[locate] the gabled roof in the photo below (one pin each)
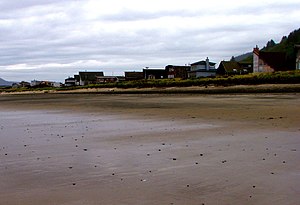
(179, 67)
(203, 63)
(230, 66)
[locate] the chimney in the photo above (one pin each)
(256, 50)
(207, 63)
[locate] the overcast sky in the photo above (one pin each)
(54, 39)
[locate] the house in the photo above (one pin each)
(22, 84)
(56, 84)
(174, 71)
(109, 79)
(247, 66)
(44, 83)
(133, 75)
(233, 68)
(87, 78)
(35, 83)
(297, 51)
(264, 61)
(154, 73)
(70, 81)
(77, 79)
(202, 69)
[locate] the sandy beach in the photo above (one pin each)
(149, 149)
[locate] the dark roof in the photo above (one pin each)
(178, 67)
(203, 63)
(276, 60)
(229, 66)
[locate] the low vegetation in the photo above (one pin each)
(288, 77)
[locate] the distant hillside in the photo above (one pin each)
(286, 45)
(5, 83)
(242, 57)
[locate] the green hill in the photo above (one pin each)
(286, 45)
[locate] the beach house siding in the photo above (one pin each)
(174, 71)
(154, 73)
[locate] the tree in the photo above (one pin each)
(271, 43)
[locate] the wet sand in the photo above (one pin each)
(149, 149)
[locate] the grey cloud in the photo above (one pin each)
(12, 5)
(41, 38)
(132, 15)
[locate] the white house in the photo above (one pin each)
(202, 69)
